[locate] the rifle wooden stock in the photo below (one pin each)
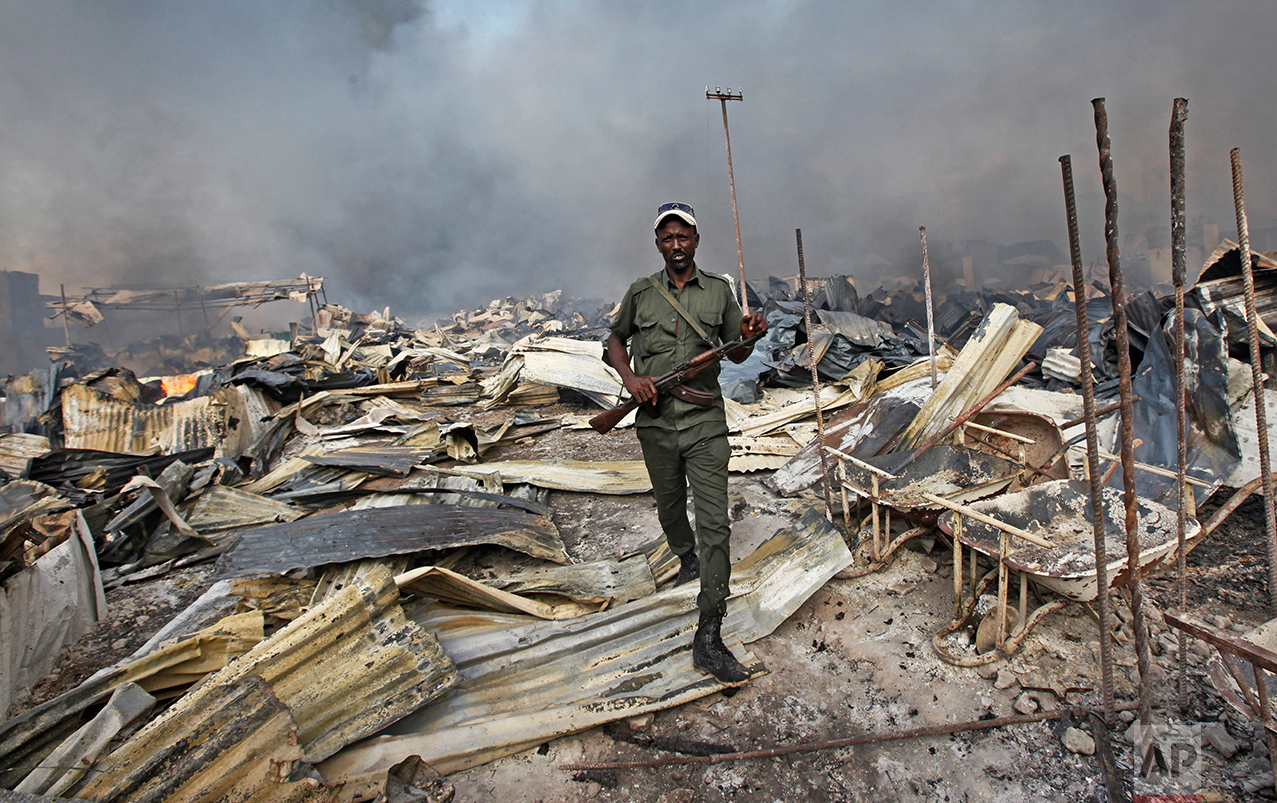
(606, 420)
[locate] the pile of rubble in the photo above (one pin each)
(342, 480)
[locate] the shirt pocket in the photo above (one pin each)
(654, 336)
(711, 320)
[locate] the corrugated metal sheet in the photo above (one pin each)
(585, 373)
(283, 471)
(351, 535)
(747, 463)
(617, 580)
(557, 362)
(526, 681)
(219, 420)
(603, 477)
(452, 395)
(856, 328)
(221, 509)
(446, 585)
(67, 765)
(1227, 291)
(17, 449)
(25, 739)
(241, 747)
(991, 354)
(831, 398)
(44, 608)
(345, 669)
(388, 461)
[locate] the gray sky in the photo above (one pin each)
(435, 156)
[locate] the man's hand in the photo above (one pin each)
(752, 324)
(641, 388)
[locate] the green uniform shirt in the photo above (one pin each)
(659, 339)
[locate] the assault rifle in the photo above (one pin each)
(672, 383)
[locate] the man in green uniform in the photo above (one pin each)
(668, 318)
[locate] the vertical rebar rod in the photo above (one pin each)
(1256, 372)
(931, 325)
(1098, 527)
(1178, 250)
(815, 379)
(1143, 658)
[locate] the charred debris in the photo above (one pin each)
(336, 473)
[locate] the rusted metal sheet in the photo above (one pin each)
(44, 608)
(860, 431)
(242, 747)
(526, 681)
(448, 586)
(602, 477)
(1060, 511)
(87, 468)
(377, 532)
(17, 449)
(389, 461)
(27, 397)
(984, 362)
(219, 420)
(1221, 286)
(221, 509)
(955, 473)
(609, 579)
(345, 669)
(558, 362)
(25, 739)
(62, 769)
(831, 398)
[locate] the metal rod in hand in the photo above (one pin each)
(1256, 372)
(815, 379)
(1178, 255)
(1143, 657)
(1092, 444)
(931, 323)
(723, 97)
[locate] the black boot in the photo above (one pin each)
(689, 568)
(710, 654)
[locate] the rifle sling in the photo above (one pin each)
(687, 316)
(691, 395)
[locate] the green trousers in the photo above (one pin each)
(697, 455)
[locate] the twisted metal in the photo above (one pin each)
(1256, 372)
(1143, 657)
(1092, 444)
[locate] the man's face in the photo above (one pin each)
(677, 243)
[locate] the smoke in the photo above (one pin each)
(436, 157)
